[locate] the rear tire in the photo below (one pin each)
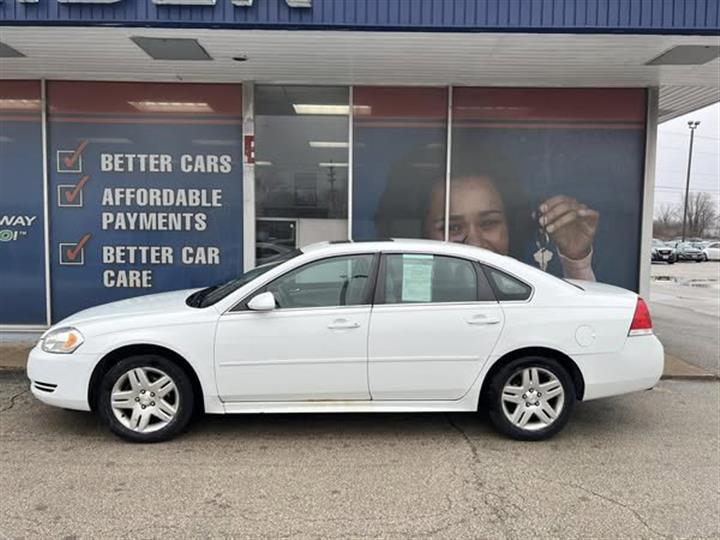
(146, 398)
(531, 398)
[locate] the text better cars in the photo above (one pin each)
(401, 326)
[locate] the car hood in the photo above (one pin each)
(168, 302)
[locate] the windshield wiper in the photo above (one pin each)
(196, 298)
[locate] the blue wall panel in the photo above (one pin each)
(626, 16)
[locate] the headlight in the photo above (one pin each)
(62, 341)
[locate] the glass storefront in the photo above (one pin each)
(553, 177)
(301, 166)
(400, 147)
(144, 181)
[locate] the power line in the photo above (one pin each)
(660, 188)
(660, 132)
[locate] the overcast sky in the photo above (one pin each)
(672, 156)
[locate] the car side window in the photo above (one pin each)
(422, 278)
(507, 287)
(339, 281)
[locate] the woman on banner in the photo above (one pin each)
(488, 209)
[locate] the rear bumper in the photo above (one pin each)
(637, 366)
(61, 379)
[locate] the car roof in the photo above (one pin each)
(438, 247)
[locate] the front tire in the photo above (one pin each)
(531, 398)
(146, 398)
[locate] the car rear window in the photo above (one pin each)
(507, 287)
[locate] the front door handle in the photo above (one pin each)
(482, 320)
(342, 324)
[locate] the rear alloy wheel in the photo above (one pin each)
(146, 399)
(531, 398)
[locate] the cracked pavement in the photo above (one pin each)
(645, 466)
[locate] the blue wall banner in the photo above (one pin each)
(22, 241)
(145, 189)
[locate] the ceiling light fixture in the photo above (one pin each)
(317, 108)
(328, 144)
(9, 104)
(331, 164)
(172, 106)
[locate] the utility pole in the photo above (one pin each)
(693, 126)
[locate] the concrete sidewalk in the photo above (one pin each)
(13, 357)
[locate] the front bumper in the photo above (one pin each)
(61, 379)
(662, 256)
(637, 366)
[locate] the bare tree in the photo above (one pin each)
(667, 215)
(702, 214)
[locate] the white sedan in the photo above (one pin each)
(712, 251)
(392, 326)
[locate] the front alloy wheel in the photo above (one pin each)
(146, 398)
(531, 398)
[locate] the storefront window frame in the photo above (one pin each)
(249, 214)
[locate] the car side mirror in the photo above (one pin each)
(262, 302)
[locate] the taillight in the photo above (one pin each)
(641, 322)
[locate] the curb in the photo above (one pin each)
(709, 378)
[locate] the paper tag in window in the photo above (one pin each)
(417, 278)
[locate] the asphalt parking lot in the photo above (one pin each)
(643, 466)
(685, 307)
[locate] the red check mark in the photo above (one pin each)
(72, 253)
(70, 161)
(71, 195)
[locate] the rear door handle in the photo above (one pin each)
(342, 324)
(482, 320)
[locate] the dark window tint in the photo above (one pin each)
(418, 278)
(507, 287)
(340, 281)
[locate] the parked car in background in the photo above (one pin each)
(712, 251)
(661, 251)
(393, 326)
(686, 251)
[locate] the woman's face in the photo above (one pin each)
(477, 214)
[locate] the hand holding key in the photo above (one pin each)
(570, 225)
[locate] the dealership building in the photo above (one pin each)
(151, 145)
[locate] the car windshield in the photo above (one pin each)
(211, 295)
